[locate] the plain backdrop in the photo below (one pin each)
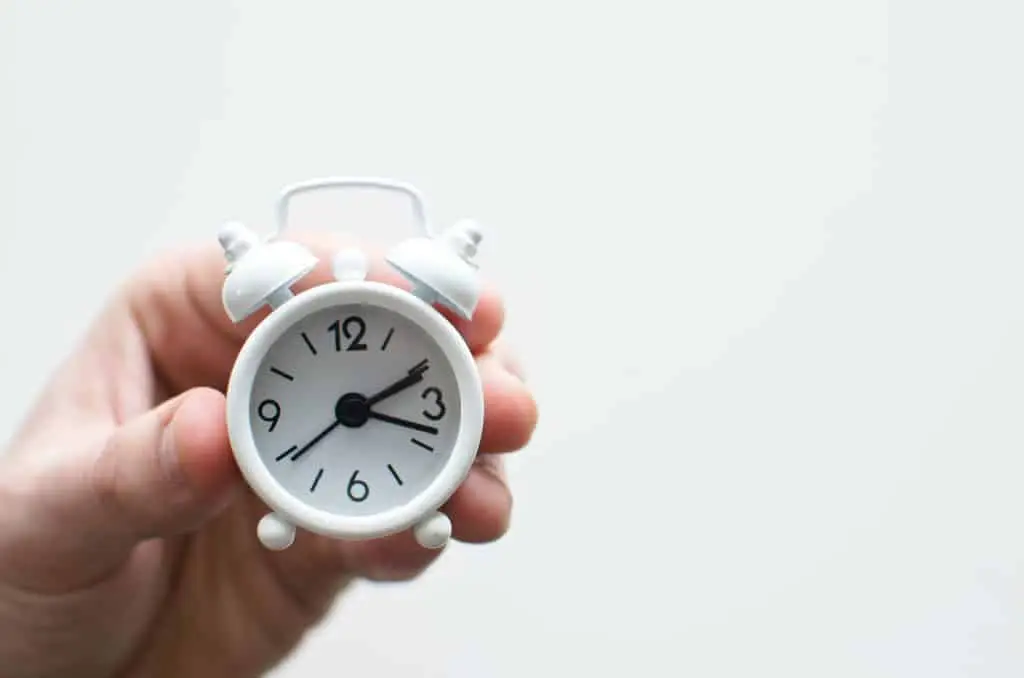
(762, 263)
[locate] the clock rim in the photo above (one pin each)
(239, 420)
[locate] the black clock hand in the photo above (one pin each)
(353, 409)
(320, 436)
(415, 376)
(403, 422)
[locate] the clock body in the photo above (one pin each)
(354, 409)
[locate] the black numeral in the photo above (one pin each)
(353, 329)
(358, 485)
(435, 393)
(356, 335)
(270, 416)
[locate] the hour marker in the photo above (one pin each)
(286, 453)
(394, 473)
(387, 339)
(420, 367)
(312, 348)
(281, 373)
(422, 444)
(316, 480)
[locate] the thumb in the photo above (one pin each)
(162, 473)
(165, 472)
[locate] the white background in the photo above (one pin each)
(762, 261)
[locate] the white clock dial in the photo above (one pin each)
(355, 410)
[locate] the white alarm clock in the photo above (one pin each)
(354, 409)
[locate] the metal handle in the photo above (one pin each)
(312, 185)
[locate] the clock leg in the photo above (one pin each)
(275, 532)
(433, 531)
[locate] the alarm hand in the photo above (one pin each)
(414, 377)
(403, 422)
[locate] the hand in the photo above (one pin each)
(294, 454)
(308, 446)
(127, 539)
(414, 377)
(403, 422)
(353, 409)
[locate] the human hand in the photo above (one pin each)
(127, 539)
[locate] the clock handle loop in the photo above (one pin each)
(312, 185)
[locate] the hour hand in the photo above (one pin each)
(403, 422)
(414, 376)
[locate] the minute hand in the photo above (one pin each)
(320, 436)
(414, 377)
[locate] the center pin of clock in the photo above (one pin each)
(352, 410)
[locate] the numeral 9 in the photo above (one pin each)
(269, 412)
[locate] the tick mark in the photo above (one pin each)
(394, 473)
(312, 348)
(281, 373)
(422, 444)
(387, 339)
(286, 453)
(420, 367)
(316, 480)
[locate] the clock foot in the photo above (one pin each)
(433, 531)
(275, 532)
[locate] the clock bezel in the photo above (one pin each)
(239, 419)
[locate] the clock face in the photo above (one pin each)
(355, 410)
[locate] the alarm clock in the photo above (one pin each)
(354, 408)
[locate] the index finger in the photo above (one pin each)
(175, 301)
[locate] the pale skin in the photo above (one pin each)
(127, 536)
